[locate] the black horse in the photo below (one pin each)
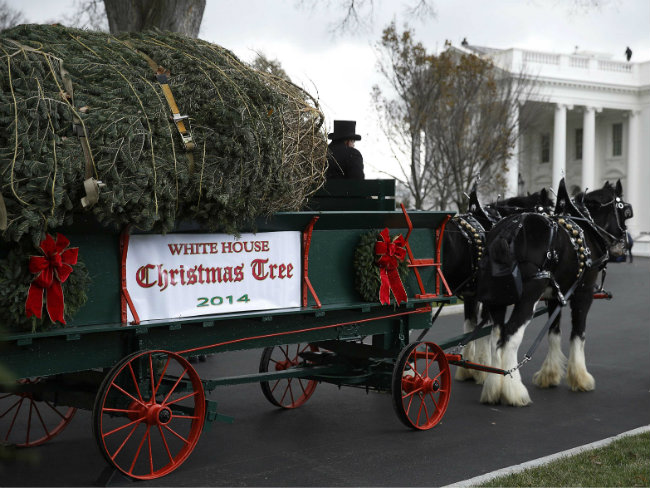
(534, 256)
(608, 211)
(463, 247)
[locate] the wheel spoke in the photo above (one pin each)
(417, 421)
(162, 375)
(118, 387)
(408, 408)
(439, 374)
(174, 387)
(56, 410)
(150, 451)
(181, 398)
(162, 435)
(137, 453)
(40, 417)
(120, 410)
(177, 434)
(122, 427)
(286, 353)
(12, 407)
(153, 383)
(426, 410)
(418, 390)
(126, 439)
(414, 368)
(433, 399)
(13, 421)
(277, 382)
(191, 417)
(135, 382)
(286, 390)
(29, 421)
(304, 392)
(426, 361)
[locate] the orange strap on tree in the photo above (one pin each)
(162, 77)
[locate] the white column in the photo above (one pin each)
(589, 149)
(633, 191)
(512, 165)
(559, 145)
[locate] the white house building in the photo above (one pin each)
(593, 126)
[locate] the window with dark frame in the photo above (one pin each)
(546, 148)
(617, 139)
(578, 143)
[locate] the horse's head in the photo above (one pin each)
(609, 212)
(538, 202)
(544, 202)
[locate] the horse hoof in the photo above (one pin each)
(581, 382)
(491, 393)
(515, 393)
(545, 379)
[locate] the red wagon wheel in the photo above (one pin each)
(421, 385)
(287, 392)
(28, 422)
(149, 413)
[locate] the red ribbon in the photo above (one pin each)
(389, 254)
(51, 270)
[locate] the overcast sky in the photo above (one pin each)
(341, 69)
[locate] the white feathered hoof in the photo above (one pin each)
(492, 386)
(554, 367)
(463, 374)
(479, 376)
(514, 392)
(580, 380)
(547, 379)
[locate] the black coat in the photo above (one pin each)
(344, 162)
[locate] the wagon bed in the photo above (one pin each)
(135, 373)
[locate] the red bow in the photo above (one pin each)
(389, 254)
(51, 270)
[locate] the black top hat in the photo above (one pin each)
(344, 129)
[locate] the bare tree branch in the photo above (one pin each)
(10, 17)
(454, 114)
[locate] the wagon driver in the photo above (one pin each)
(344, 160)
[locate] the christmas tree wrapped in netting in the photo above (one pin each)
(258, 145)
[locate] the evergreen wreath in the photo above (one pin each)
(366, 272)
(15, 280)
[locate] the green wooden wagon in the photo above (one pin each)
(135, 374)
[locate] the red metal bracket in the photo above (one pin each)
(418, 263)
(125, 298)
(306, 284)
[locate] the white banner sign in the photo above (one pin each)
(185, 275)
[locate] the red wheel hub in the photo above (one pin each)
(417, 383)
(282, 365)
(153, 413)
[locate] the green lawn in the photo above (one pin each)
(624, 462)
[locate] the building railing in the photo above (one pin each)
(618, 66)
(578, 61)
(541, 58)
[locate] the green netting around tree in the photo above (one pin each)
(259, 142)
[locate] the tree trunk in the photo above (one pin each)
(183, 16)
